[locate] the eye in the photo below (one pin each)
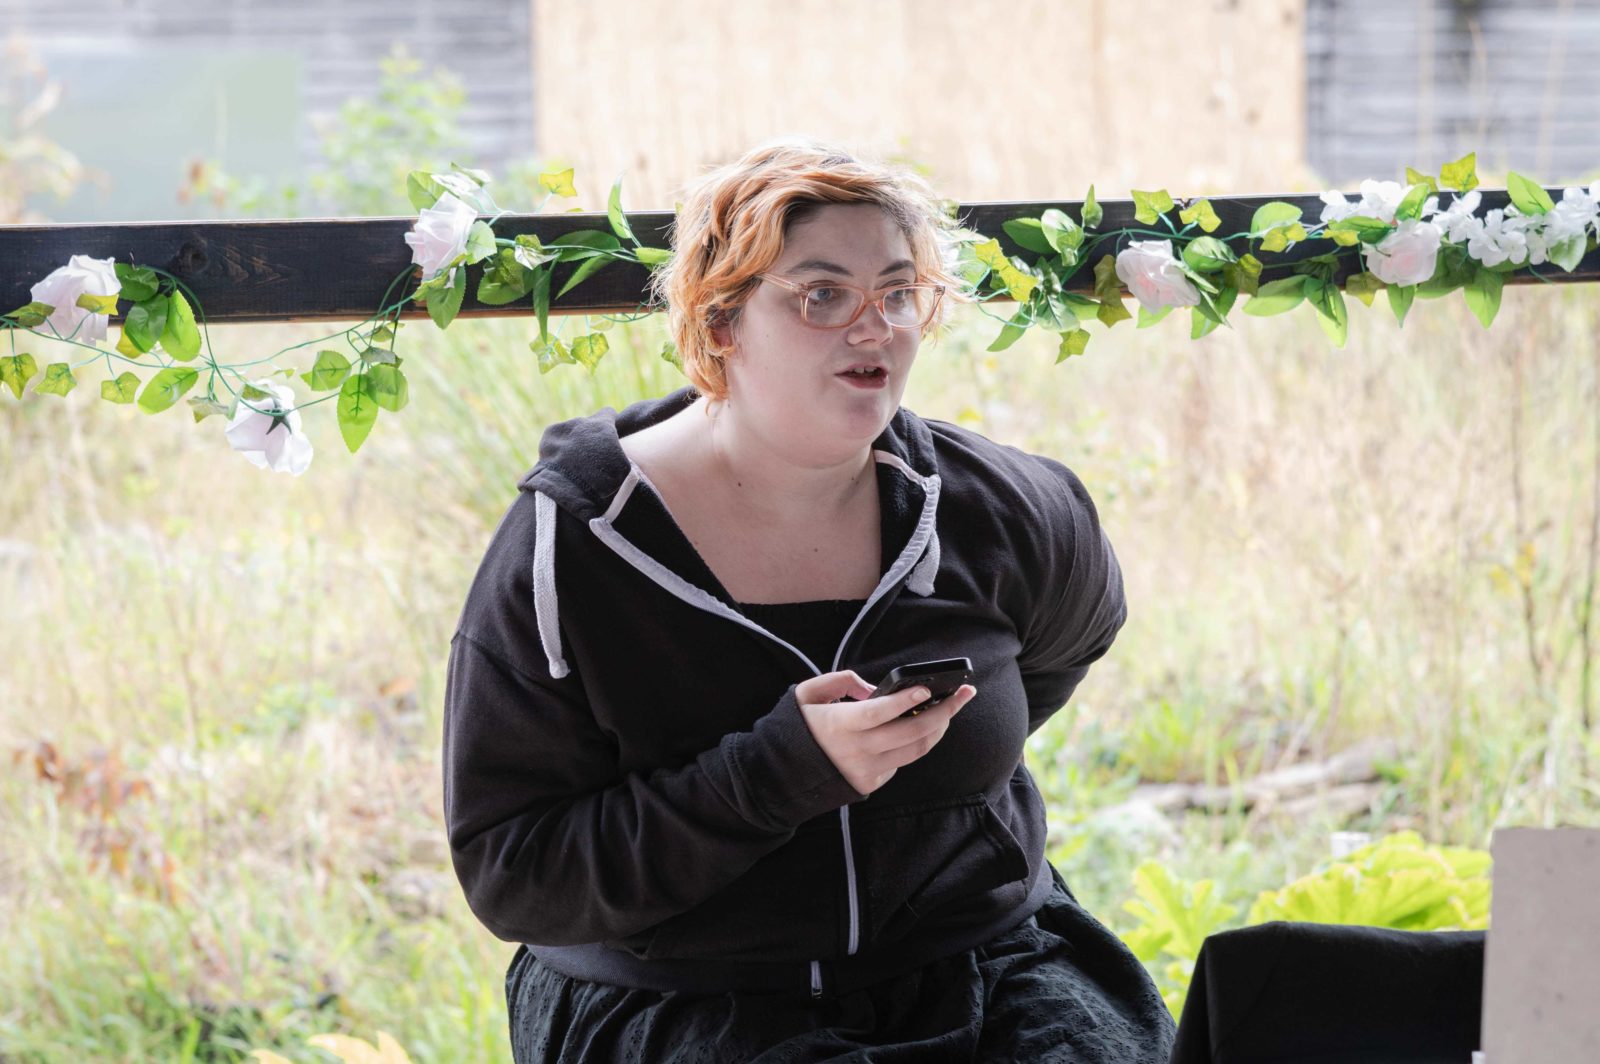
(900, 298)
(822, 296)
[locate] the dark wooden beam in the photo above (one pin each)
(321, 269)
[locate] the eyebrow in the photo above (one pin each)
(833, 267)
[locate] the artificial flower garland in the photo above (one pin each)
(1409, 247)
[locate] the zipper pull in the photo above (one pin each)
(816, 979)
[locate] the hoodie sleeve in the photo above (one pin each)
(1079, 605)
(552, 843)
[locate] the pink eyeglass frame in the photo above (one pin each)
(866, 299)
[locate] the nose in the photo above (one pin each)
(873, 323)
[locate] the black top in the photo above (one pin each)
(817, 627)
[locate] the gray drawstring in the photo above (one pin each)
(544, 583)
(920, 582)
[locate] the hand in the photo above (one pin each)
(867, 740)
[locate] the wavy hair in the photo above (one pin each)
(732, 226)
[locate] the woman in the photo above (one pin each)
(664, 772)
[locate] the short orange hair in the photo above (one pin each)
(732, 227)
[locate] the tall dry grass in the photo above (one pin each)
(1319, 546)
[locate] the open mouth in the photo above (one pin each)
(865, 376)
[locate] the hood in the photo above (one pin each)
(583, 469)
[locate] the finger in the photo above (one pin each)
(877, 712)
(829, 687)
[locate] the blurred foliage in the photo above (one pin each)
(30, 162)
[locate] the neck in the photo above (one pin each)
(767, 485)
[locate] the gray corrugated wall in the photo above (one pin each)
(1393, 83)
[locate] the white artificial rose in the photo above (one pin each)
(270, 436)
(62, 288)
(440, 234)
(1152, 275)
(1406, 256)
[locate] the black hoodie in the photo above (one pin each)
(629, 784)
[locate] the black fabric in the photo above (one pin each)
(816, 627)
(1302, 993)
(1058, 988)
(628, 776)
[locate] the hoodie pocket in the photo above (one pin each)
(784, 907)
(951, 861)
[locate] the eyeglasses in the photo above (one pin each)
(832, 305)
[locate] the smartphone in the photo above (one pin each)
(942, 678)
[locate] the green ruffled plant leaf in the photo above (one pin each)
(1148, 207)
(166, 388)
(358, 409)
(180, 337)
(1528, 195)
(1092, 215)
(138, 283)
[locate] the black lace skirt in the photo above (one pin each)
(1059, 987)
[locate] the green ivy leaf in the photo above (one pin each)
(358, 409)
(1529, 196)
(139, 283)
(652, 257)
(1149, 206)
(204, 407)
(1279, 237)
(614, 214)
(589, 349)
(328, 372)
(443, 306)
(552, 353)
(180, 338)
(120, 391)
(15, 372)
(1202, 212)
(1243, 274)
(1091, 215)
(1417, 177)
(1461, 175)
(1483, 295)
(58, 380)
(558, 183)
(252, 394)
(97, 304)
(669, 353)
(1073, 342)
(1363, 286)
(389, 387)
(32, 315)
(1276, 297)
(1018, 284)
(166, 388)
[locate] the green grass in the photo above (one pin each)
(1320, 546)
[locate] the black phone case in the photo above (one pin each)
(942, 678)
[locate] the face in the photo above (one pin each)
(784, 380)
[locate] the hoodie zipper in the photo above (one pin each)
(699, 597)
